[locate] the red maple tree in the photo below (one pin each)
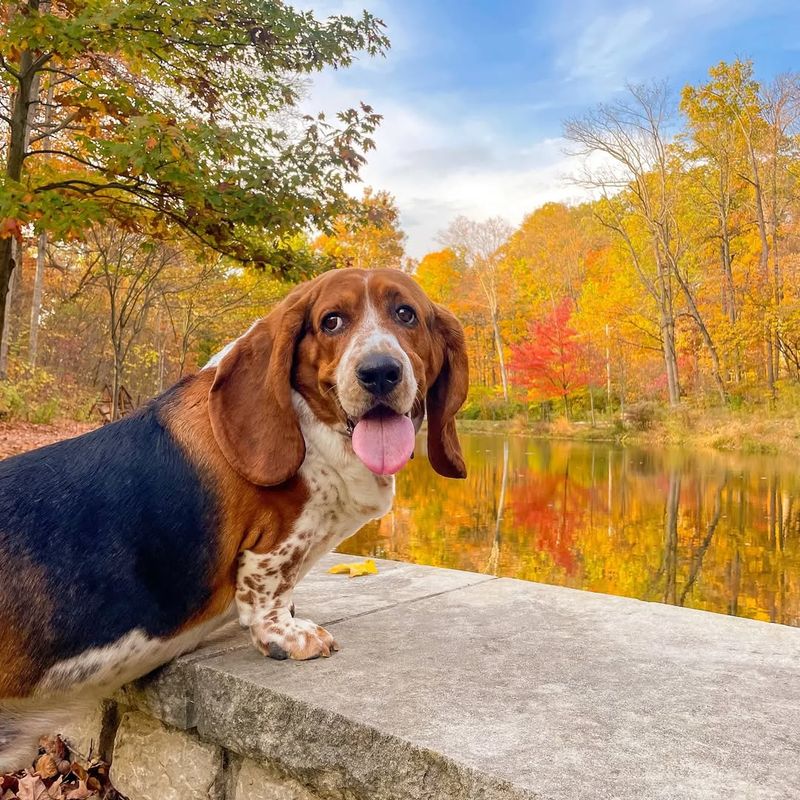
(554, 362)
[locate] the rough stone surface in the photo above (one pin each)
(254, 782)
(154, 762)
(168, 693)
(508, 689)
(327, 598)
(452, 685)
(83, 732)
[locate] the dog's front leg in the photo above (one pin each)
(264, 586)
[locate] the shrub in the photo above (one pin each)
(29, 394)
(487, 403)
(641, 416)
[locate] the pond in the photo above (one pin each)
(708, 530)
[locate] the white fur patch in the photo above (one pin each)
(343, 496)
(72, 686)
(104, 669)
(213, 362)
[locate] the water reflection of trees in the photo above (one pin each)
(706, 530)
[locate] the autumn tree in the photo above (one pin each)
(438, 274)
(478, 246)
(129, 269)
(368, 236)
(554, 362)
(175, 114)
(761, 130)
(641, 191)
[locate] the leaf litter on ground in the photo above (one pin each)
(54, 776)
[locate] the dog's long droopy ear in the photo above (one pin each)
(250, 403)
(446, 395)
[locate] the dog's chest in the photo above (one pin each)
(341, 497)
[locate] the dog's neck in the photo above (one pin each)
(332, 446)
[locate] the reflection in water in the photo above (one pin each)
(707, 530)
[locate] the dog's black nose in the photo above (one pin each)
(379, 374)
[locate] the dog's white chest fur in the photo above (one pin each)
(342, 495)
(343, 492)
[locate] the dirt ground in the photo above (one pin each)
(17, 437)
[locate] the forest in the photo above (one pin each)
(162, 188)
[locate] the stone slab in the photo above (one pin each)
(507, 689)
(168, 693)
(328, 599)
(83, 732)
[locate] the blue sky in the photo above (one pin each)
(474, 94)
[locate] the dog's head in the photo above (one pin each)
(368, 352)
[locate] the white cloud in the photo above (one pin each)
(601, 46)
(439, 164)
(442, 155)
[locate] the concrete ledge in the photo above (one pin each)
(458, 685)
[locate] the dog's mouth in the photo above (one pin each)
(382, 439)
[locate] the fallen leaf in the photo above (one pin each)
(81, 793)
(46, 766)
(355, 569)
(54, 792)
(31, 787)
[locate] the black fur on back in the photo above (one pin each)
(104, 533)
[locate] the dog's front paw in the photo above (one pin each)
(299, 639)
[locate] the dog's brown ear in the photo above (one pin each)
(446, 395)
(250, 403)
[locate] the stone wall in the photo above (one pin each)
(457, 685)
(154, 761)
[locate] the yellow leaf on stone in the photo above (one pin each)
(356, 569)
(364, 568)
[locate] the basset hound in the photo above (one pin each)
(126, 546)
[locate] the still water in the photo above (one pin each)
(708, 530)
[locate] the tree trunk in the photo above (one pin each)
(41, 251)
(763, 263)
(36, 302)
(608, 370)
(116, 383)
(709, 342)
(501, 361)
(670, 359)
(770, 362)
(17, 143)
(5, 337)
(727, 271)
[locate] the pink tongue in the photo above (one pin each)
(384, 443)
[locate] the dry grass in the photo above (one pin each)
(748, 432)
(761, 432)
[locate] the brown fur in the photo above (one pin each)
(252, 517)
(28, 599)
(238, 425)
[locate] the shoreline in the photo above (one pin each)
(721, 431)
(775, 434)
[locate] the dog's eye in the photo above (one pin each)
(332, 322)
(406, 315)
